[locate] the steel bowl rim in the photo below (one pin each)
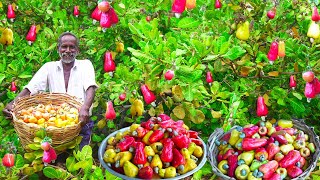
(103, 145)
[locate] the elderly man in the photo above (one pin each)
(68, 75)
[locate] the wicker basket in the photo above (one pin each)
(26, 131)
(299, 124)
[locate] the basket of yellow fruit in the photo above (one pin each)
(57, 113)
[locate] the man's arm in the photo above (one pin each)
(8, 109)
(84, 111)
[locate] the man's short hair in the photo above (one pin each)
(65, 34)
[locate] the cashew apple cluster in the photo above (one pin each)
(155, 149)
(271, 150)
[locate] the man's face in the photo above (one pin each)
(68, 49)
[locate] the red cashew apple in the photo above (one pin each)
(308, 76)
(8, 160)
(10, 14)
(169, 75)
(110, 113)
(315, 14)
(122, 96)
(104, 6)
(271, 13)
(217, 4)
(76, 11)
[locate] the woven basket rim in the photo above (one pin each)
(21, 100)
(219, 133)
(25, 130)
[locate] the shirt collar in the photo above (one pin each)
(59, 64)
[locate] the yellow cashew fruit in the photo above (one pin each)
(6, 37)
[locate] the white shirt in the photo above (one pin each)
(50, 78)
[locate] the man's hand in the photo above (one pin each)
(84, 115)
(7, 110)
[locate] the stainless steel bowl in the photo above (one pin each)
(103, 146)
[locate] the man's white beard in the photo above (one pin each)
(72, 55)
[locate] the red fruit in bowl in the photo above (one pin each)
(308, 76)
(104, 6)
(45, 146)
(272, 150)
(278, 156)
(122, 96)
(294, 171)
(302, 162)
(169, 75)
(263, 131)
(146, 172)
(8, 160)
(271, 13)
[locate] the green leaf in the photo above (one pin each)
(297, 105)
(215, 86)
(41, 133)
(111, 124)
(135, 31)
(297, 95)
(34, 146)
(197, 175)
(211, 57)
(52, 173)
(200, 47)
(19, 161)
(96, 138)
(98, 174)
(224, 48)
(235, 52)
(29, 156)
(281, 101)
(188, 22)
(70, 162)
(156, 70)
(2, 76)
(278, 93)
(223, 95)
(204, 91)
(81, 164)
(187, 93)
(140, 54)
(108, 175)
(86, 152)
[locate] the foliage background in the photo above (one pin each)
(202, 40)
